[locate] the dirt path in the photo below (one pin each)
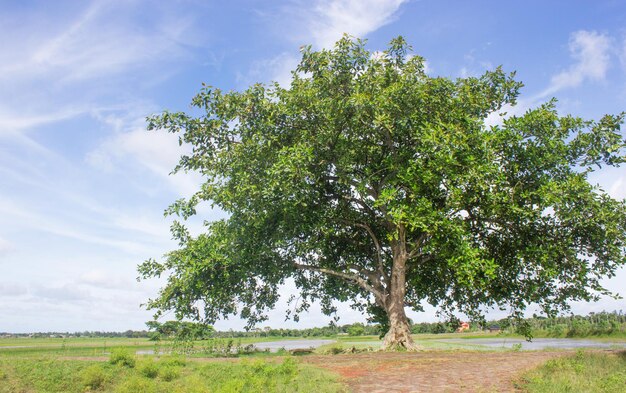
(432, 371)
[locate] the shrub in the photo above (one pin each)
(93, 377)
(122, 357)
(169, 373)
(149, 368)
(173, 360)
(136, 384)
(195, 384)
(332, 350)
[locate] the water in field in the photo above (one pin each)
(535, 344)
(274, 346)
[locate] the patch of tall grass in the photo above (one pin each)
(170, 374)
(583, 372)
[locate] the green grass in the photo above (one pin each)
(98, 347)
(169, 374)
(583, 372)
(47, 365)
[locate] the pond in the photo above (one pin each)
(274, 346)
(535, 344)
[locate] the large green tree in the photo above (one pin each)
(368, 181)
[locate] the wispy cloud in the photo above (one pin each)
(40, 221)
(622, 53)
(591, 52)
(93, 44)
(320, 23)
(277, 69)
(64, 293)
(11, 122)
(328, 20)
(5, 246)
(136, 149)
(105, 280)
(84, 58)
(12, 289)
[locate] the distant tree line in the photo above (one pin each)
(594, 324)
(92, 334)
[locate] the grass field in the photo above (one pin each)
(125, 372)
(112, 365)
(583, 372)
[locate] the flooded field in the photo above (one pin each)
(535, 344)
(274, 346)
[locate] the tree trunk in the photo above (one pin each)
(398, 337)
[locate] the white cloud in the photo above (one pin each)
(330, 19)
(158, 152)
(43, 222)
(322, 24)
(10, 122)
(106, 280)
(12, 289)
(5, 246)
(64, 293)
(94, 44)
(277, 69)
(618, 188)
(622, 53)
(591, 51)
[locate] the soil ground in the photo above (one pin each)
(432, 371)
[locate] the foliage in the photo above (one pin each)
(324, 331)
(136, 384)
(169, 373)
(357, 329)
(181, 330)
(595, 324)
(122, 357)
(584, 372)
(173, 360)
(148, 368)
(368, 181)
(93, 377)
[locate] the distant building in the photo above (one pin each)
(463, 327)
(494, 329)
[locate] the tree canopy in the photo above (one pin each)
(368, 181)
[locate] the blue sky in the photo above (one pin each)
(83, 185)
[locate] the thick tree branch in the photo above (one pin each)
(346, 276)
(379, 253)
(379, 250)
(417, 245)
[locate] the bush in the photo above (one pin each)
(169, 373)
(149, 369)
(136, 384)
(332, 350)
(173, 360)
(93, 377)
(195, 384)
(122, 357)
(357, 329)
